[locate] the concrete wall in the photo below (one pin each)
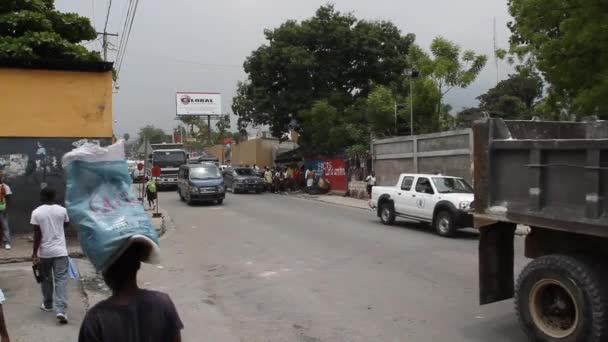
(55, 103)
(449, 153)
(358, 189)
(44, 112)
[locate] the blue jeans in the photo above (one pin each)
(6, 231)
(54, 270)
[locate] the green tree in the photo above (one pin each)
(323, 130)
(34, 30)
(513, 98)
(223, 129)
(447, 66)
(153, 134)
(567, 41)
(332, 57)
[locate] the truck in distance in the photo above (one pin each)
(169, 158)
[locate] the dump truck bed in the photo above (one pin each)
(546, 174)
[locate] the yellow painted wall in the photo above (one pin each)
(49, 103)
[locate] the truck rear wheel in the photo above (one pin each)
(387, 213)
(562, 298)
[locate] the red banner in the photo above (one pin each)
(335, 171)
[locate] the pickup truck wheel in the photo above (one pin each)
(562, 298)
(444, 223)
(387, 214)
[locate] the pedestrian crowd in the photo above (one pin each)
(293, 178)
(130, 314)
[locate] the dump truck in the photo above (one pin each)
(169, 158)
(553, 178)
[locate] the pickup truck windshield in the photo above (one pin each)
(205, 172)
(452, 185)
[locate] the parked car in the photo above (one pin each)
(445, 202)
(243, 179)
(200, 183)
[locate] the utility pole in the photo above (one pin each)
(411, 107)
(209, 127)
(105, 44)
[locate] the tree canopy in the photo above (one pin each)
(567, 41)
(154, 135)
(341, 81)
(34, 30)
(513, 98)
(448, 66)
(332, 57)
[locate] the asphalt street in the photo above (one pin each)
(282, 268)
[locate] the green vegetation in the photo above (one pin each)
(338, 80)
(33, 30)
(567, 41)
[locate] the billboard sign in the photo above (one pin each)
(193, 103)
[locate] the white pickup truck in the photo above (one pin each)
(445, 202)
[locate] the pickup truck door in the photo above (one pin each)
(404, 202)
(424, 199)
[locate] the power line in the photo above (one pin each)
(105, 33)
(105, 27)
(125, 25)
(126, 43)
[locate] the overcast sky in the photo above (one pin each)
(194, 45)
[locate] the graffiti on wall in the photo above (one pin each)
(30, 164)
(332, 169)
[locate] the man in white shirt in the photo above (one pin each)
(50, 252)
(371, 182)
(5, 195)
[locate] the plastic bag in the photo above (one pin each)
(100, 203)
(72, 269)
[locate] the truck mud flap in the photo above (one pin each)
(496, 251)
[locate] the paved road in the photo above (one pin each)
(279, 268)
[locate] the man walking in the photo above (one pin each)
(50, 252)
(371, 182)
(5, 195)
(151, 190)
(131, 314)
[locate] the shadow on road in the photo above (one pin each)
(464, 234)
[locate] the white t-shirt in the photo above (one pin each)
(7, 189)
(51, 218)
(371, 180)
